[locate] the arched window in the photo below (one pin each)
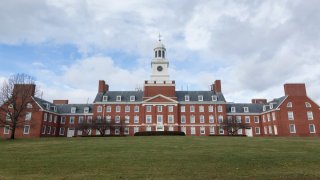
(308, 104)
(159, 53)
(155, 54)
(163, 55)
(289, 104)
(29, 105)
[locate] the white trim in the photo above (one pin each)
(162, 96)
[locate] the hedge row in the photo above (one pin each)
(160, 133)
(238, 135)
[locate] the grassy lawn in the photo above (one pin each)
(160, 158)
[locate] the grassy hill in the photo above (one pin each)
(160, 158)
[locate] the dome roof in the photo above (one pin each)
(159, 44)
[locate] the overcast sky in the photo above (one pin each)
(253, 47)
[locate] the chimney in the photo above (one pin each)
(60, 101)
(24, 89)
(102, 86)
(216, 87)
(259, 101)
(295, 89)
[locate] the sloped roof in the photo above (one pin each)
(125, 96)
(193, 95)
(66, 108)
(253, 108)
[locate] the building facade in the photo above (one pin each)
(160, 107)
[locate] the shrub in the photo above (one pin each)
(223, 135)
(160, 133)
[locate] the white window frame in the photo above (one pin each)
(265, 129)
(127, 108)
(61, 131)
(221, 130)
(289, 104)
(135, 129)
(63, 120)
(201, 108)
(72, 119)
(159, 108)
(200, 98)
(192, 130)
(148, 128)
(6, 129)
(136, 108)
(29, 105)
(45, 117)
(117, 131)
(80, 119)
(73, 110)
(233, 109)
(210, 108)
(212, 130)
(192, 119)
(108, 119)
(290, 115)
(201, 118)
(214, 98)
(308, 105)
(118, 98)
(136, 119)
(310, 115)
(238, 119)
(108, 109)
(202, 130)
(186, 98)
(170, 119)
(211, 119)
(170, 108)
(273, 115)
(314, 128)
(256, 119)
(127, 119)
(99, 109)
(257, 130)
(132, 98)
(220, 108)
(118, 108)
(220, 119)
(183, 119)
(28, 116)
(192, 108)
(246, 109)
(105, 98)
(148, 119)
(117, 119)
(149, 108)
(183, 109)
(247, 119)
(294, 128)
(86, 110)
(126, 131)
(24, 129)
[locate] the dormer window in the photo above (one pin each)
(132, 98)
(118, 98)
(73, 110)
(264, 108)
(29, 105)
(54, 108)
(86, 110)
(187, 98)
(47, 106)
(105, 98)
(271, 106)
(289, 104)
(233, 109)
(214, 98)
(308, 105)
(200, 98)
(245, 109)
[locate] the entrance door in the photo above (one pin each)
(249, 132)
(70, 132)
(160, 126)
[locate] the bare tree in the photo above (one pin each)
(15, 98)
(85, 127)
(232, 125)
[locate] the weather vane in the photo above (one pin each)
(159, 37)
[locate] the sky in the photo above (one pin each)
(252, 46)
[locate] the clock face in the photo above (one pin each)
(159, 68)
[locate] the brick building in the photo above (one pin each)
(159, 107)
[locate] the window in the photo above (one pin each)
(201, 108)
(229, 119)
(107, 131)
(212, 131)
(71, 121)
(273, 116)
(135, 129)
(117, 131)
(108, 109)
(219, 108)
(183, 119)
(183, 109)
(118, 98)
(132, 98)
(127, 108)
(193, 130)
(170, 128)
(159, 119)
(238, 119)
(148, 108)
(127, 119)
(247, 119)
(264, 118)
(86, 110)
(170, 108)
(191, 108)
(99, 119)
(108, 119)
(10, 106)
(63, 120)
(183, 129)
(246, 109)
(148, 128)
(257, 129)
(312, 129)
(105, 98)
(290, 115)
(48, 129)
(61, 131)
(308, 105)
(26, 129)
(159, 108)
(170, 119)
(211, 119)
(201, 118)
(136, 108)
(310, 115)
(292, 128)
(6, 129)
(148, 119)
(268, 117)
(200, 98)
(265, 130)
(186, 97)
(89, 119)
(117, 119)
(80, 120)
(8, 116)
(264, 108)
(45, 117)
(126, 130)
(239, 131)
(221, 130)
(256, 119)
(202, 130)
(270, 130)
(192, 119)
(136, 119)
(50, 118)
(220, 119)
(29, 105)
(43, 131)
(210, 108)
(73, 110)
(214, 98)
(271, 106)
(289, 104)
(99, 109)
(233, 109)
(28, 116)
(118, 108)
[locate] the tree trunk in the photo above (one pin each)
(13, 132)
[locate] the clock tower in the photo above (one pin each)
(159, 64)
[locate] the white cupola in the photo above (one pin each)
(159, 64)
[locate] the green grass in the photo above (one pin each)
(160, 158)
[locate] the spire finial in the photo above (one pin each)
(159, 37)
